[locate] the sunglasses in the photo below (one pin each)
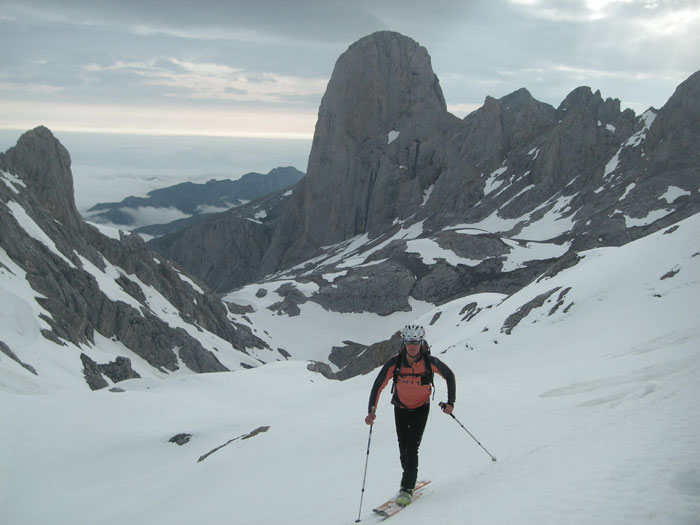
(413, 341)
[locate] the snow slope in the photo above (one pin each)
(589, 403)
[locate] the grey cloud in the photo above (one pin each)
(478, 48)
(322, 20)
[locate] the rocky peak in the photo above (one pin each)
(686, 97)
(386, 75)
(42, 162)
(582, 101)
(673, 139)
(503, 132)
(503, 124)
(581, 97)
(682, 111)
(519, 97)
(373, 153)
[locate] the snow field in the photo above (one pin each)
(592, 414)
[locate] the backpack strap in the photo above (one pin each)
(425, 350)
(397, 367)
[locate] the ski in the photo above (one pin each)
(387, 509)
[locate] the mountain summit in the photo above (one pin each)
(381, 123)
(45, 165)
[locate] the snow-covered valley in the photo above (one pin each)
(588, 398)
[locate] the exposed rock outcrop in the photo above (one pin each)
(86, 282)
(376, 148)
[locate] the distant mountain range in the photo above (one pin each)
(404, 208)
(397, 166)
(405, 203)
(189, 201)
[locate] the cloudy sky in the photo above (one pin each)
(259, 68)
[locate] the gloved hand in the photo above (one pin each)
(447, 408)
(370, 417)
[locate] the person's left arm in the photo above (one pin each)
(449, 377)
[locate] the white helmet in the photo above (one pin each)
(413, 332)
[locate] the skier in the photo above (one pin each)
(412, 373)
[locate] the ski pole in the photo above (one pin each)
(493, 458)
(364, 478)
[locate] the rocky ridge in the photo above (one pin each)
(88, 284)
(514, 191)
(387, 155)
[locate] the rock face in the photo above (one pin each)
(45, 166)
(228, 249)
(515, 154)
(376, 148)
(88, 283)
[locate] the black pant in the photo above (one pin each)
(410, 425)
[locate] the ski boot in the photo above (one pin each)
(405, 497)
